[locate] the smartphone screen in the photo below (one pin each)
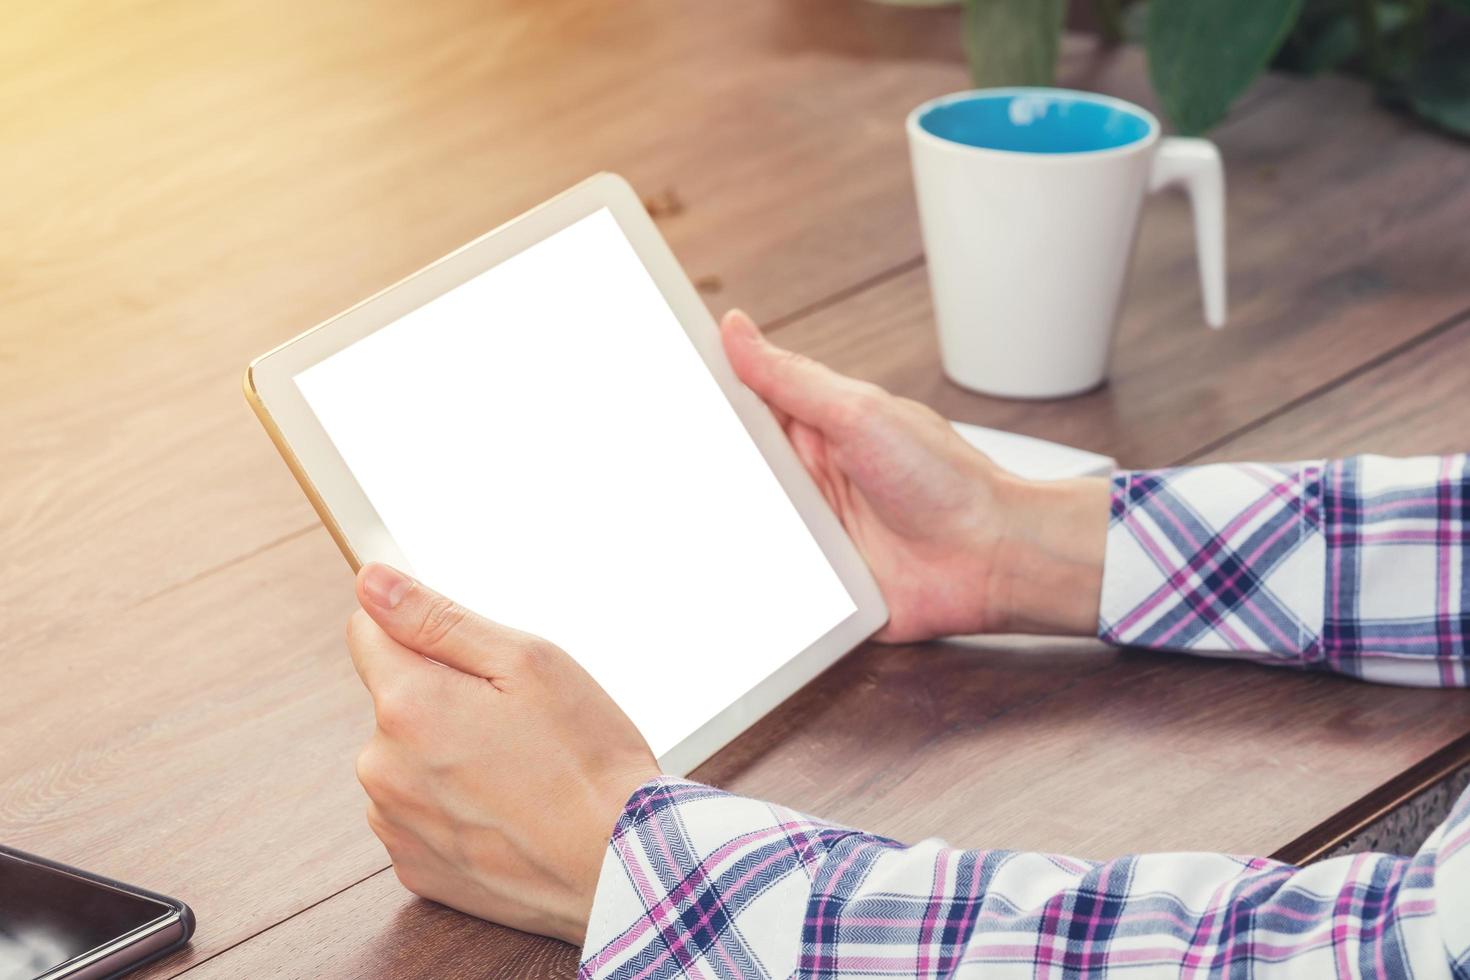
(49, 918)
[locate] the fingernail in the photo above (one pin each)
(385, 586)
(744, 323)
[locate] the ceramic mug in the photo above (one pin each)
(1029, 201)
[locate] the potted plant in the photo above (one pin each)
(1202, 54)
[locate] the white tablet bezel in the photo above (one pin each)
(359, 532)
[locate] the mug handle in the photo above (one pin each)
(1195, 163)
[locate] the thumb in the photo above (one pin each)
(436, 627)
(789, 382)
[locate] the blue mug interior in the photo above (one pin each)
(1035, 121)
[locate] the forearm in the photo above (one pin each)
(702, 883)
(1358, 566)
(1054, 555)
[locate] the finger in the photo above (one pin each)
(788, 382)
(436, 627)
(811, 449)
(376, 656)
(783, 418)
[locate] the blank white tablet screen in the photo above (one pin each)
(544, 445)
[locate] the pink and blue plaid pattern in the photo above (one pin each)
(1356, 566)
(703, 885)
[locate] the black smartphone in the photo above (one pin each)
(58, 922)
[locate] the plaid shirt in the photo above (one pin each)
(1357, 566)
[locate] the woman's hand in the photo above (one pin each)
(957, 544)
(498, 767)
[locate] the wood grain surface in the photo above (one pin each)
(187, 184)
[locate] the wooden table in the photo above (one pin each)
(186, 184)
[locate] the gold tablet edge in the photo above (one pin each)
(252, 396)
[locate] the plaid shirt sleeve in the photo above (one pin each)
(1357, 566)
(703, 885)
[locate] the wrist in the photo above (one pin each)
(607, 800)
(1053, 562)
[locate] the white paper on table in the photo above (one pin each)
(1034, 459)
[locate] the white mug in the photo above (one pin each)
(1029, 201)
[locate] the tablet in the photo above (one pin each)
(543, 426)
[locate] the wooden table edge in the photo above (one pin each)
(1342, 826)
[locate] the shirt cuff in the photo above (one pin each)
(1224, 559)
(686, 862)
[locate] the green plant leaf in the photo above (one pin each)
(1135, 22)
(1013, 42)
(1320, 43)
(1439, 90)
(1202, 54)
